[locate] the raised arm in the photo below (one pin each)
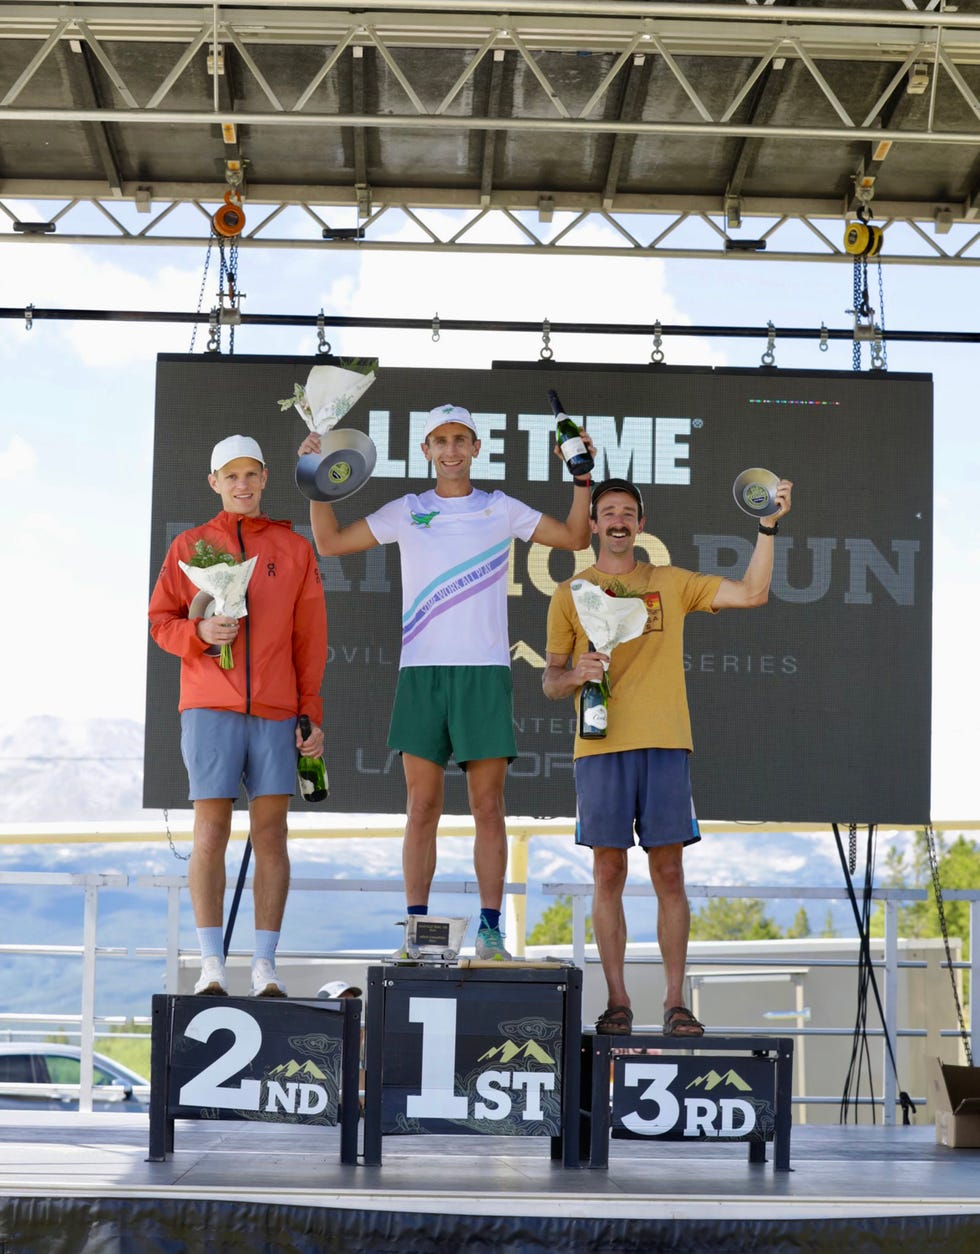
(574, 532)
(331, 539)
(753, 588)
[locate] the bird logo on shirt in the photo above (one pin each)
(423, 520)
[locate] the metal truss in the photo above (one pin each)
(766, 92)
(467, 232)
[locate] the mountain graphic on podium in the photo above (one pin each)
(510, 1050)
(711, 1079)
(296, 1070)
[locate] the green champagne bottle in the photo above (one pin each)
(593, 710)
(593, 714)
(312, 772)
(570, 441)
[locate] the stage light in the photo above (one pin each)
(343, 232)
(745, 245)
(34, 228)
(943, 221)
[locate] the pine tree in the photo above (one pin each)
(733, 918)
(555, 925)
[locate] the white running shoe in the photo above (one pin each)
(265, 982)
(212, 982)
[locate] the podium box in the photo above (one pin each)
(483, 1050)
(270, 1060)
(710, 1089)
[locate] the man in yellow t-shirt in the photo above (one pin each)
(637, 778)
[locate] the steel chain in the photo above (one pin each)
(941, 911)
(204, 280)
(184, 857)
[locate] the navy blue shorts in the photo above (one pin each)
(223, 749)
(641, 791)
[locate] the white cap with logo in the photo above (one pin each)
(233, 446)
(337, 988)
(442, 414)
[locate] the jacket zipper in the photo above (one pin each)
(248, 641)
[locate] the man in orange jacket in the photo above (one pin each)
(240, 725)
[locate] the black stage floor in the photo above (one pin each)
(72, 1182)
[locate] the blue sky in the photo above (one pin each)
(76, 421)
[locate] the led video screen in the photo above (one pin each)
(813, 708)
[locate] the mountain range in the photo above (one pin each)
(89, 775)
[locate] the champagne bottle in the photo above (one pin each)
(570, 440)
(593, 712)
(312, 772)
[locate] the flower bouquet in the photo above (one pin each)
(225, 580)
(331, 392)
(608, 617)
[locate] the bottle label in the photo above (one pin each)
(575, 447)
(306, 786)
(596, 717)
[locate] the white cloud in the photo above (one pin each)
(509, 287)
(52, 276)
(17, 459)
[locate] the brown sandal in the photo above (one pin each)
(616, 1021)
(678, 1021)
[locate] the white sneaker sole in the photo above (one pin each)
(213, 989)
(270, 990)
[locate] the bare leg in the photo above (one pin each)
(673, 917)
(609, 920)
(206, 872)
(271, 884)
(485, 786)
(424, 783)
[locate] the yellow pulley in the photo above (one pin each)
(861, 239)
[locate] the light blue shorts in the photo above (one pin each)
(646, 791)
(222, 750)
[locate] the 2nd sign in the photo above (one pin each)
(271, 1062)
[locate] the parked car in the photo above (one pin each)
(38, 1075)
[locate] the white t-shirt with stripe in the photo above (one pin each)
(454, 558)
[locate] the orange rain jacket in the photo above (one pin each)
(280, 651)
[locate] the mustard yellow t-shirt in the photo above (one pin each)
(648, 694)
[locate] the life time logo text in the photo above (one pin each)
(644, 449)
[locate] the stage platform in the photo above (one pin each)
(72, 1183)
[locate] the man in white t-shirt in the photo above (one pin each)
(454, 683)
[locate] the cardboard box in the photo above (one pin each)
(955, 1096)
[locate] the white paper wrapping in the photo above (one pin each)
(227, 584)
(329, 394)
(607, 621)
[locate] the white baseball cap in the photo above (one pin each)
(337, 988)
(442, 414)
(233, 446)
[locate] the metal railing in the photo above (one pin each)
(86, 1023)
(890, 898)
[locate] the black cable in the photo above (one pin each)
(239, 886)
(862, 921)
